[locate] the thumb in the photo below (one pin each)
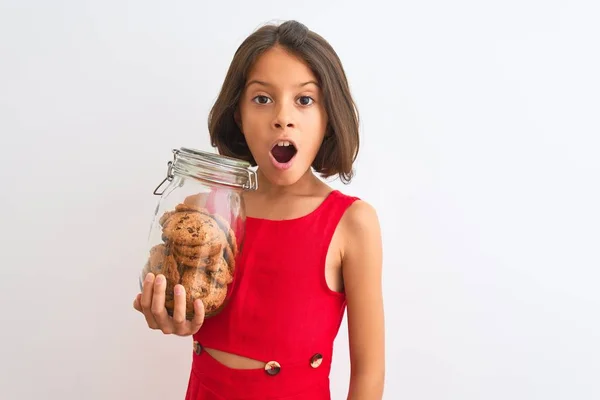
(198, 316)
(137, 302)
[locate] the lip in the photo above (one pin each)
(277, 164)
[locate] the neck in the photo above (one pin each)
(308, 183)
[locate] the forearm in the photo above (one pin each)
(366, 386)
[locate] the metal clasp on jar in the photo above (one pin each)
(170, 176)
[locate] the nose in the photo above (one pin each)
(284, 117)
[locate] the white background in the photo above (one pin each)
(480, 151)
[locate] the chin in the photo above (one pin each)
(282, 178)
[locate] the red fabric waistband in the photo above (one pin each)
(291, 380)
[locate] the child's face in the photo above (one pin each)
(282, 116)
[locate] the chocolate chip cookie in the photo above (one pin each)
(204, 250)
(230, 251)
(200, 285)
(190, 228)
(222, 275)
(207, 263)
(229, 233)
(161, 261)
(214, 302)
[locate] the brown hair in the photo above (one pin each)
(341, 143)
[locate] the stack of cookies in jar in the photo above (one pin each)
(198, 251)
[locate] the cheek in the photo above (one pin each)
(253, 130)
(318, 125)
(320, 120)
(252, 119)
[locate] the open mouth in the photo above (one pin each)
(283, 152)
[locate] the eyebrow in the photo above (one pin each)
(263, 83)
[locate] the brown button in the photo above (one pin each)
(197, 348)
(316, 360)
(272, 368)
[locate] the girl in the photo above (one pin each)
(310, 251)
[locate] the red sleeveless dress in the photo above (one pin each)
(279, 311)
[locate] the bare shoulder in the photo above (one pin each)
(361, 210)
(361, 221)
(361, 243)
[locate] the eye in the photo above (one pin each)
(261, 99)
(305, 100)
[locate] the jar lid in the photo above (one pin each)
(212, 168)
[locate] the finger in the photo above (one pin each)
(158, 305)
(198, 319)
(147, 288)
(179, 310)
(146, 300)
(137, 302)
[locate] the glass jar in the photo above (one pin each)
(198, 227)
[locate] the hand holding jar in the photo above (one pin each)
(151, 303)
(195, 237)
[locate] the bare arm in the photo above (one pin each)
(362, 271)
